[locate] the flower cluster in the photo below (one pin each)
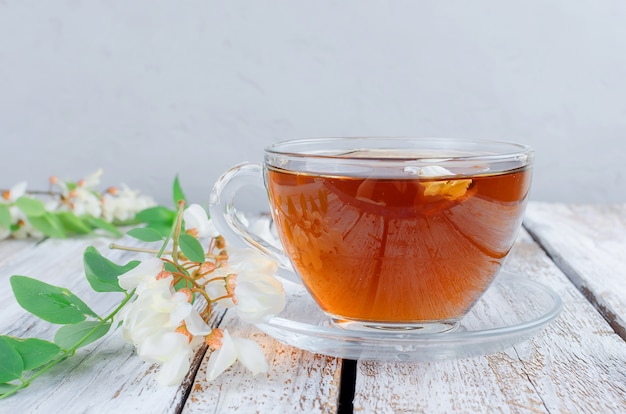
(67, 207)
(169, 298)
(165, 326)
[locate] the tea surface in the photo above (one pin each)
(397, 250)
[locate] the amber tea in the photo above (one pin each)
(397, 250)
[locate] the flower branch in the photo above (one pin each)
(161, 296)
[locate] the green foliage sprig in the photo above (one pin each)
(68, 208)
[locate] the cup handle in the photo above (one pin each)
(229, 224)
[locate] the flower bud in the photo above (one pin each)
(214, 339)
(182, 329)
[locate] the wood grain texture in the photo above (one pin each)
(588, 243)
(297, 381)
(10, 248)
(577, 364)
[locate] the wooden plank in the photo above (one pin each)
(108, 377)
(577, 364)
(297, 381)
(588, 243)
(103, 377)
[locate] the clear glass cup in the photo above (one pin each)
(386, 234)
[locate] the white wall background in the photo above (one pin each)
(148, 89)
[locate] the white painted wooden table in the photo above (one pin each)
(577, 364)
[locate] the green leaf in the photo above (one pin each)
(48, 224)
(35, 352)
(99, 223)
(146, 234)
(191, 248)
(163, 229)
(178, 192)
(50, 303)
(30, 206)
(72, 223)
(5, 388)
(101, 273)
(170, 267)
(11, 364)
(158, 214)
(80, 334)
(5, 216)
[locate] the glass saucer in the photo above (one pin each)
(512, 310)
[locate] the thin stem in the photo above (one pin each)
(190, 265)
(221, 298)
(173, 233)
(115, 311)
(39, 192)
(165, 259)
(161, 251)
(177, 227)
(213, 279)
(181, 276)
(202, 292)
(114, 246)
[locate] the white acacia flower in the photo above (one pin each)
(140, 321)
(196, 326)
(257, 294)
(230, 349)
(242, 260)
(9, 197)
(92, 180)
(156, 311)
(143, 272)
(161, 322)
(263, 228)
(81, 199)
(14, 193)
(85, 202)
(123, 204)
(172, 351)
(152, 311)
(18, 218)
(258, 297)
(88, 183)
(197, 219)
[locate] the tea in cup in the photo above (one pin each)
(387, 233)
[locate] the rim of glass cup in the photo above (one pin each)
(319, 148)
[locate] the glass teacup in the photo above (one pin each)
(386, 233)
